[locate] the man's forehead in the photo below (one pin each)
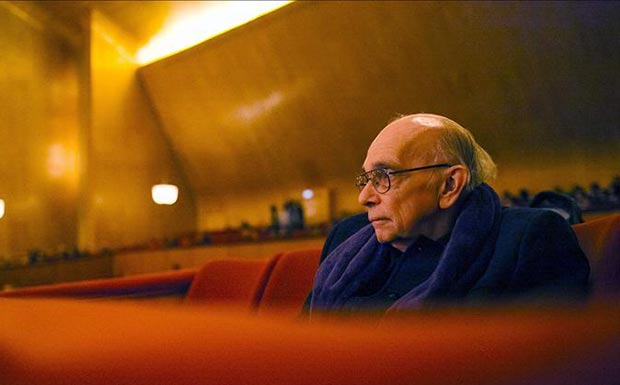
(386, 149)
(402, 139)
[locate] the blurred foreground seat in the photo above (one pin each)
(63, 341)
(53, 342)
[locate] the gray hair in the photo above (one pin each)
(456, 145)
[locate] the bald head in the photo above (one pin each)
(430, 138)
(419, 166)
(410, 137)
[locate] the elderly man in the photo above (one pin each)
(437, 232)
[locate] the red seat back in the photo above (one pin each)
(600, 241)
(231, 282)
(290, 282)
(164, 284)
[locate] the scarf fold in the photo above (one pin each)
(359, 259)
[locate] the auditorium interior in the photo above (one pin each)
(253, 119)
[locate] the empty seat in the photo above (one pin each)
(600, 241)
(231, 282)
(164, 284)
(290, 282)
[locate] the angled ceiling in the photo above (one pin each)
(295, 97)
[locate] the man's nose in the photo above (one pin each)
(368, 196)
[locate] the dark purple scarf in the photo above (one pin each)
(355, 262)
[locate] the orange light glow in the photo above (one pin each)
(195, 21)
(251, 111)
(61, 161)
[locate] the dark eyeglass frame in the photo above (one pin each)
(362, 179)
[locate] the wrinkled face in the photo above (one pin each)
(406, 210)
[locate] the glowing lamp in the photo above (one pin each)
(307, 194)
(165, 194)
(1, 208)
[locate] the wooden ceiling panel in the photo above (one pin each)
(296, 96)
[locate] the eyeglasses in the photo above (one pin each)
(380, 177)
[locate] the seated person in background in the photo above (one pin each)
(562, 204)
(437, 232)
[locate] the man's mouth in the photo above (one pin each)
(375, 220)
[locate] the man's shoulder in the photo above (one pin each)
(517, 222)
(342, 230)
(524, 215)
(354, 222)
(347, 227)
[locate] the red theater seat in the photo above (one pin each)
(290, 282)
(169, 283)
(231, 282)
(600, 241)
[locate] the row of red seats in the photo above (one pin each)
(279, 284)
(169, 283)
(282, 282)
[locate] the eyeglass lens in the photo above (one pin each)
(380, 180)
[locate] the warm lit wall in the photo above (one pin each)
(62, 271)
(39, 134)
(127, 153)
(80, 145)
(254, 207)
(292, 100)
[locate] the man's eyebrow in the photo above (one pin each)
(376, 166)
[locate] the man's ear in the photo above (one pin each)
(453, 185)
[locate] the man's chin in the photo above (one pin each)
(383, 238)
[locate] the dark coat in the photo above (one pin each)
(341, 231)
(536, 253)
